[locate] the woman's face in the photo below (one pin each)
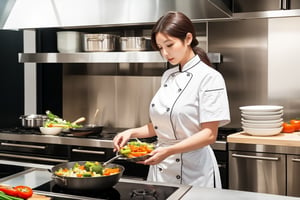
(175, 50)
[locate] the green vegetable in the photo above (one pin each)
(4, 196)
(125, 151)
(76, 165)
(55, 121)
(97, 168)
(93, 167)
(51, 116)
(88, 165)
(87, 174)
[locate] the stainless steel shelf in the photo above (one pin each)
(92, 57)
(102, 57)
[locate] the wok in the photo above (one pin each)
(86, 183)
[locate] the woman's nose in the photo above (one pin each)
(164, 53)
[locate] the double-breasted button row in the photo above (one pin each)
(167, 109)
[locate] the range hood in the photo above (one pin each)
(32, 14)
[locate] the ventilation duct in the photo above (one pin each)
(32, 14)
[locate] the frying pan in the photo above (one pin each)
(86, 183)
(86, 130)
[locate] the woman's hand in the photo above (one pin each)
(121, 139)
(157, 155)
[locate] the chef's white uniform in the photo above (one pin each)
(187, 98)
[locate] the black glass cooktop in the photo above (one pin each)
(121, 191)
(7, 170)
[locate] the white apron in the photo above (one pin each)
(186, 99)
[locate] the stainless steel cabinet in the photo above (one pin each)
(257, 172)
(293, 175)
(256, 5)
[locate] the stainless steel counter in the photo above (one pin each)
(52, 139)
(196, 193)
(37, 176)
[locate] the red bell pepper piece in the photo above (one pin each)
(23, 191)
(9, 190)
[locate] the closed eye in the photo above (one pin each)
(169, 45)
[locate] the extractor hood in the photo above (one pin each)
(32, 14)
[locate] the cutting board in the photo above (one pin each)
(282, 139)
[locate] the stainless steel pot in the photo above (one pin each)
(33, 120)
(86, 183)
(134, 43)
(99, 42)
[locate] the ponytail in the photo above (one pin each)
(203, 56)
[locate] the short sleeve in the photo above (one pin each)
(213, 100)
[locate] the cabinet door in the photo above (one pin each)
(293, 175)
(257, 172)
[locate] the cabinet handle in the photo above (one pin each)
(22, 145)
(295, 160)
(88, 151)
(222, 166)
(33, 158)
(254, 157)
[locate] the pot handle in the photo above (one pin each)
(95, 39)
(140, 42)
(63, 180)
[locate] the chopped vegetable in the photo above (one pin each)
(8, 190)
(15, 193)
(136, 149)
(109, 171)
(55, 121)
(88, 169)
(24, 191)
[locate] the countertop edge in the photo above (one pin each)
(282, 139)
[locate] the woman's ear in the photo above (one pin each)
(188, 38)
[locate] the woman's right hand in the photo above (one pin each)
(121, 139)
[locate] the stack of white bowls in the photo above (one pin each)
(262, 120)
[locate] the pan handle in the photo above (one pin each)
(62, 180)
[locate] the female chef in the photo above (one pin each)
(185, 112)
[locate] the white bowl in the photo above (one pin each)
(262, 131)
(262, 117)
(261, 108)
(262, 121)
(262, 125)
(262, 112)
(51, 130)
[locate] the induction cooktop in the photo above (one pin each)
(121, 191)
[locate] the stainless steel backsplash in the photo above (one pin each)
(244, 46)
(123, 101)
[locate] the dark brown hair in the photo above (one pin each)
(176, 24)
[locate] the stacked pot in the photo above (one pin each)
(68, 41)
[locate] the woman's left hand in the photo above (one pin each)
(157, 156)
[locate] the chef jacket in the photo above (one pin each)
(187, 98)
